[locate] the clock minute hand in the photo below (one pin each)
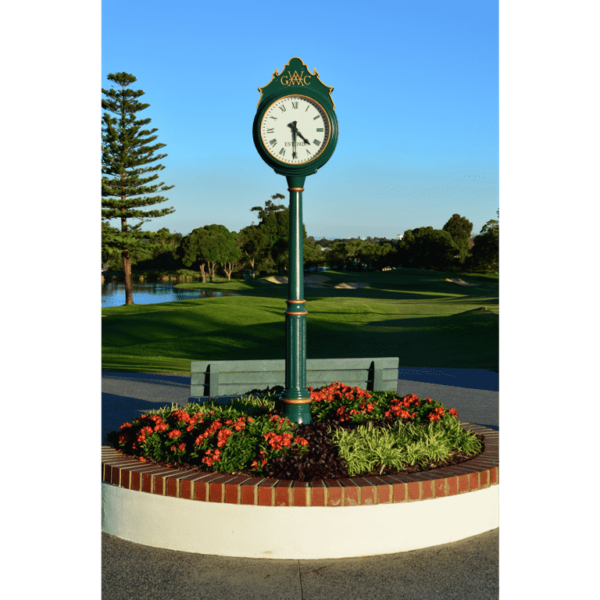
(292, 126)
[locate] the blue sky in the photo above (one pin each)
(415, 89)
(433, 68)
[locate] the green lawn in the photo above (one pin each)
(416, 315)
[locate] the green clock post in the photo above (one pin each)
(295, 131)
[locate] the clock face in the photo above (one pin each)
(295, 129)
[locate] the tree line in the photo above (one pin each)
(130, 173)
(263, 248)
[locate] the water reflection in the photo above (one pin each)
(113, 293)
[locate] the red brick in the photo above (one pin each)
(186, 485)
(463, 484)
(249, 493)
(439, 487)
(147, 477)
(368, 492)
(427, 490)
(136, 480)
(112, 468)
(494, 476)
(126, 478)
(171, 485)
(484, 479)
(300, 493)
(283, 492)
(351, 492)
(452, 486)
(334, 492)
(414, 490)
(474, 481)
(400, 492)
(266, 492)
(160, 482)
(384, 490)
(233, 489)
(216, 488)
(201, 486)
(317, 492)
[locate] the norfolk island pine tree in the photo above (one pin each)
(129, 174)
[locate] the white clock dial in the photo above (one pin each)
(295, 129)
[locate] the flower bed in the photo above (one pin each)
(354, 432)
(391, 508)
(476, 474)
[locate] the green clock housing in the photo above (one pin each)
(295, 129)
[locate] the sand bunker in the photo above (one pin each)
(311, 280)
(350, 286)
(460, 282)
(315, 280)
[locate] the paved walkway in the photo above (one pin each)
(467, 569)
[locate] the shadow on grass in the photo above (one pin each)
(254, 325)
(463, 341)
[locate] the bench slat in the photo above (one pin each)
(312, 364)
(274, 377)
(241, 388)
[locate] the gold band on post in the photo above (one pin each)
(296, 301)
(295, 189)
(295, 313)
(300, 401)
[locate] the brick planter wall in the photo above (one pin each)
(475, 474)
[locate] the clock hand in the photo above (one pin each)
(292, 126)
(302, 137)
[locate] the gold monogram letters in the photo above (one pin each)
(295, 79)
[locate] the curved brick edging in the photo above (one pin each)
(451, 485)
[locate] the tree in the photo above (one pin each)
(224, 246)
(312, 254)
(485, 254)
(491, 224)
(427, 248)
(189, 251)
(345, 253)
(129, 175)
(274, 227)
(208, 246)
(253, 243)
(460, 229)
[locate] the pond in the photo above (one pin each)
(113, 293)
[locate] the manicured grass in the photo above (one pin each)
(414, 314)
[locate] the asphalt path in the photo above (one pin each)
(467, 569)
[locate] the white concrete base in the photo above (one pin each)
(295, 532)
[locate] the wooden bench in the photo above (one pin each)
(228, 378)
